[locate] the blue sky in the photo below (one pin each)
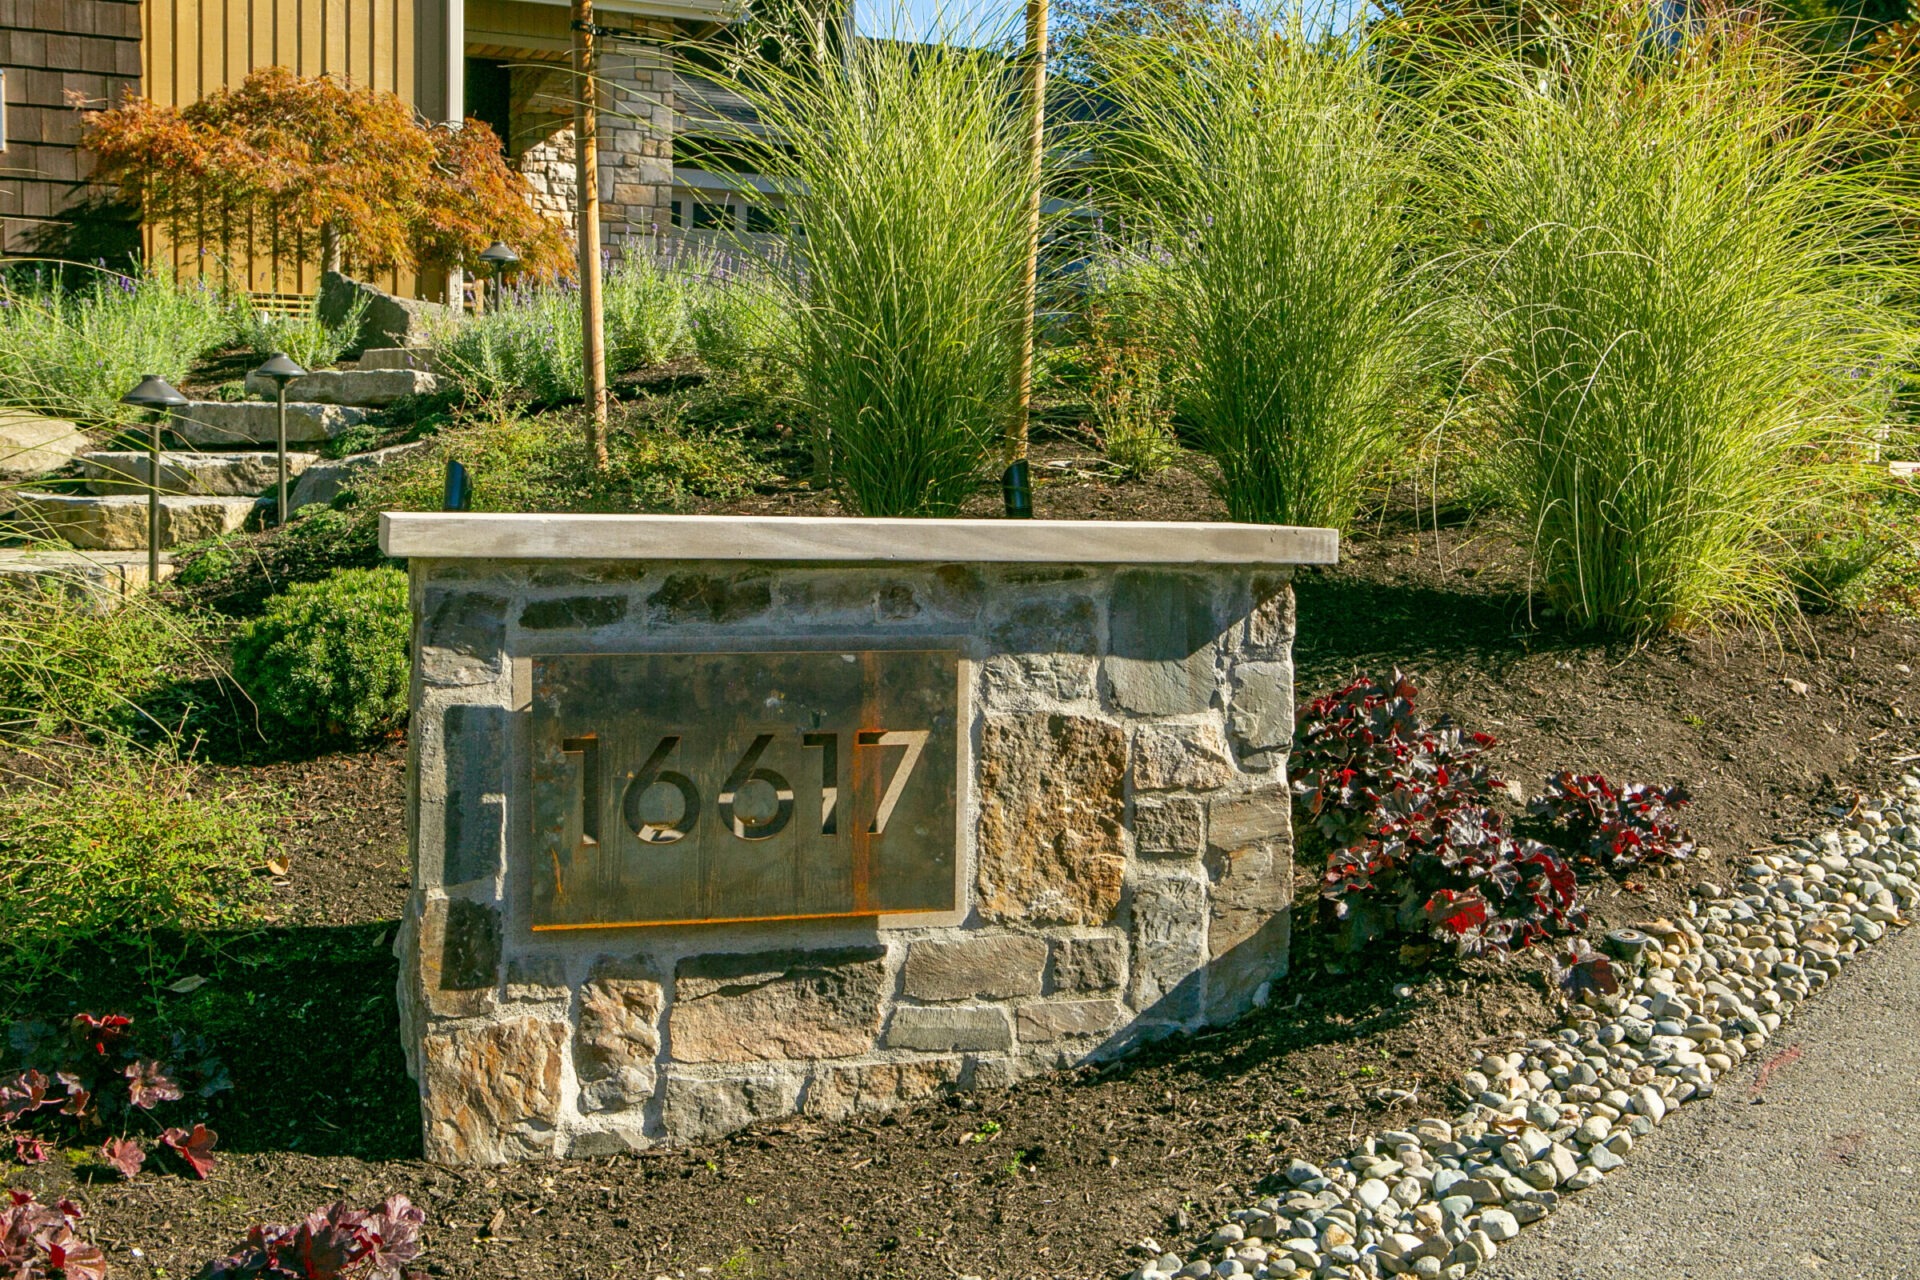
(926, 19)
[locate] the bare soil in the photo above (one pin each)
(1058, 1177)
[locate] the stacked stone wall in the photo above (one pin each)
(1126, 836)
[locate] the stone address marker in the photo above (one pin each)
(722, 819)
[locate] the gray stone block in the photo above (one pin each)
(1260, 714)
(463, 636)
(712, 598)
(1169, 826)
(202, 474)
(388, 321)
(699, 1107)
(322, 482)
(1049, 1020)
(949, 1029)
(1190, 757)
(1169, 948)
(1089, 964)
(570, 612)
(474, 746)
(992, 968)
(1162, 646)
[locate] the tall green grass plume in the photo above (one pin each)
(1257, 160)
(1689, 291)
(901, 166)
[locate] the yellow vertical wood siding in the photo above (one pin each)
(193, 47)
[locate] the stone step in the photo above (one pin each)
(364, 388)
(213, 424)
(118, 522)
(31, 445)
(226, 475)
(102, 578)
(323, 481)
(381, 358)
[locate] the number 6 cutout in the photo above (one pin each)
(643, 781)
(743, 773)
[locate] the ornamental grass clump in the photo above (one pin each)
(1690, 291)
(902, 169)
(1257, 159)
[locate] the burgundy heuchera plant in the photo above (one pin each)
(339, 1243)
(39, 1242)
(1417, 845)
(90, 1077)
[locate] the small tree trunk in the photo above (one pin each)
(330, 254)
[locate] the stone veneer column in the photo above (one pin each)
(1129, 852)
(636, 135)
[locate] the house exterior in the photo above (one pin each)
(504, 61)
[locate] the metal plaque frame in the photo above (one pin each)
(703, 787)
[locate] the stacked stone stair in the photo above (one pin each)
(228, 470)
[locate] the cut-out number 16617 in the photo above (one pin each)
(656, 772)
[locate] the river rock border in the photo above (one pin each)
(1438, 1198)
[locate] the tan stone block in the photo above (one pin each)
(991, 968)
(769, 1006)
(1239, 822)
(481, 1085)
(835, 1093)
(1051, 796)
(1192, 757)
(1058, 1019)
(619, 1025)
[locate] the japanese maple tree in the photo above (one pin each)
(342, 174)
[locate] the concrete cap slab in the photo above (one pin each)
(475, 536)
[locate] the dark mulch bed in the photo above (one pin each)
(1071, 1170)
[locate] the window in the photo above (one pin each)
(762, 221)
(712, 217)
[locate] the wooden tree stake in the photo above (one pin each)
(586, 159)
(1030, 268)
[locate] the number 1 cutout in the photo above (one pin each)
(587, 748)
(829, 745)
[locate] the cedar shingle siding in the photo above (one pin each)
(50, 49)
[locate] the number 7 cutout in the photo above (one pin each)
(915, 742)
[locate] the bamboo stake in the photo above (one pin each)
(1029, 270)
(586, 160)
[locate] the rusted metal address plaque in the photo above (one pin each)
(683, 788)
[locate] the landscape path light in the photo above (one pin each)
(155, 394)
(280, 369)
(499, 258)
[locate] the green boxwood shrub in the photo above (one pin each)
(330, 657)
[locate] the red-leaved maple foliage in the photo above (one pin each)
(287, 159)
